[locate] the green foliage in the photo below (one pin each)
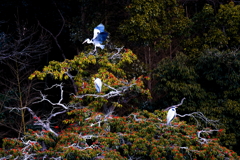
(228, 17)
(109, 67)
(176, 79)
(211, 87)
(219, 75)
(154, 22)
(220, 70)
(86, 15)
(140, 135)
(214, 30)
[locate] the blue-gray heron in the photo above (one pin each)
(99, 36)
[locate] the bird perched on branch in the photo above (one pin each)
(172, 111)
(171, 114)
(98, 84)
(99, 36)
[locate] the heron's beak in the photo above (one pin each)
(84, 41)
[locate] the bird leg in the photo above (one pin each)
(95, 50)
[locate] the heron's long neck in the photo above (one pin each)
(89, 41)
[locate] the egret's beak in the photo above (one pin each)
(84, 41)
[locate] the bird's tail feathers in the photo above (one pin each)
(102, 46)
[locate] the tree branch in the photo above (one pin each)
(177, 105)
(111, 94)
(60, 31)
(46, 124)
(59, 103)
(203, 140)
(199, 115)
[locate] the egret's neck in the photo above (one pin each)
(89, 41)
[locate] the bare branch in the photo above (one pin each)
(195, 115)
(135, 117)
(46, 124)
(27, 43)
(111, 94)
(55, 37)
(203, 140)
(177, 105)
(117, 54)
(59, 103)
(199, 115)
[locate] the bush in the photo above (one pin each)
(140, 135)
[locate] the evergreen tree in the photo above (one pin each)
(211, 87)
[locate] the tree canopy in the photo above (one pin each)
(157, 53)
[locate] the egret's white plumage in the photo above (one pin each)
(99, 36)
(98, 84)
(171, 114)
(172, 111)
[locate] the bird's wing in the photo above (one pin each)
(101, 37)
(97, 30)
(169, 115)
(100, 27)
(98, 84)
(97, 87)
(101, 46)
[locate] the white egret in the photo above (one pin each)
(172, 111)
(99, 36)
(98, 84)
(171, 114)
